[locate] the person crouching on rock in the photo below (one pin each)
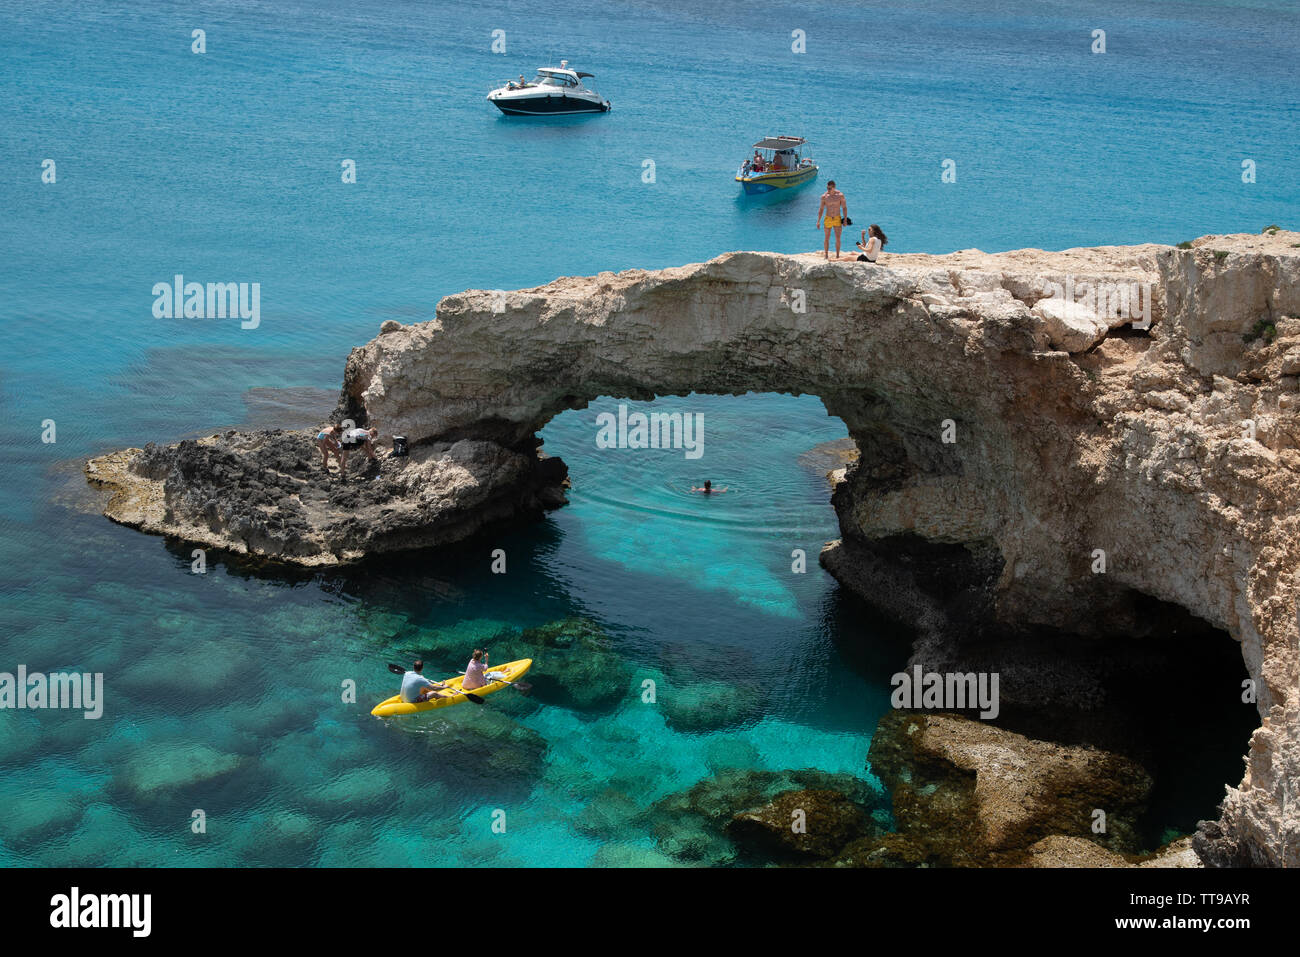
(416, 687)
(354, 439)
(327, 440)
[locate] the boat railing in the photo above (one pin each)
(745, 170)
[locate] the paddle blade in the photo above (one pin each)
(473, 697)
(523, 687)
(396, 669)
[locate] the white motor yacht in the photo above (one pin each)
(555, 91)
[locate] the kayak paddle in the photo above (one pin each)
(523, 687)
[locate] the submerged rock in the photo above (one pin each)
(274, 837)
(29, 818)
(729, 753)
(574, 665)
(162, 770)
(485, 741)
(1059, 850)
(968, 793)
(801, 824)
(710, 705)
(695, 825)
(627, 855)
(607, 814)
(356, 790)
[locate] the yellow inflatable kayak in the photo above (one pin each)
(395, 707)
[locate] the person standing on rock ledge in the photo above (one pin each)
(833, 211)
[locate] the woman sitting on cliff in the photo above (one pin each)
(327, 440)
(871, 247)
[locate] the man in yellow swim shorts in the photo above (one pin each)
(833, 210)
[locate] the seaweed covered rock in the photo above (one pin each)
(574, 664)
(489, 740)
(710, 705)
(694, 826)
(802, 824)
(969, 793)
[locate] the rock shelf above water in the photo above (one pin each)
(265, 494)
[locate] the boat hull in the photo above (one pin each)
(768, 182)
(549, 106)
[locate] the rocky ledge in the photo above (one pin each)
(1047, 440)
(265, 494)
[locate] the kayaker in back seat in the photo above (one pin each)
(475, 670)
(416, 687)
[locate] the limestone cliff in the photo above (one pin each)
(1027, 460)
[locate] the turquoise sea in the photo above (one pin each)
(224, 691)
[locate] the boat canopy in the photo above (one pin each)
(780, 143)
(558, 71)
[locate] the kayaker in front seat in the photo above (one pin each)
(475, 671)
(416, 687)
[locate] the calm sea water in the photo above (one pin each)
(224, 689)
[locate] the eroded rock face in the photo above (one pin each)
(1252, 832)
(1057, 460)
(265, 494)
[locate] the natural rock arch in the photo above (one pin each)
(1128, 451)
(1078, 439)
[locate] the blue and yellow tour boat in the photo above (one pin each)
(778, 163)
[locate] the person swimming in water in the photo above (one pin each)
(708, 488)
